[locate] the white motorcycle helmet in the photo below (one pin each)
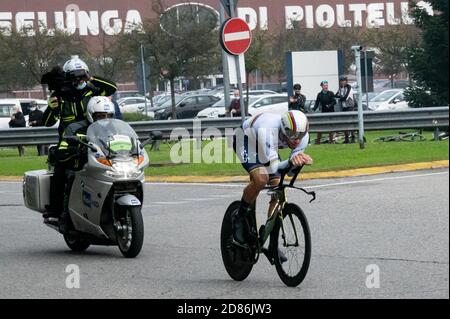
(74, 64)
(99, 104)
(294, 125)
(77, 71)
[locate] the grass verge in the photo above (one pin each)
(326, 157)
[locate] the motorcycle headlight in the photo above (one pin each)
(124, 169)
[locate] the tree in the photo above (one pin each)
(35, 53)
(14, 74)
(180, 44)
(428, 62)
(392, 44)
(256, 56)
(113, 59)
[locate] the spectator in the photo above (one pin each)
(346, 103)
(235, 107)
(298, 100)
(18, 120)
(326, 101)
(35, 119)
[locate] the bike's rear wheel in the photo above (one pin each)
(297, 249)
(237, 260)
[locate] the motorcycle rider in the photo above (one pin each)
(71, 106)
(67, 154)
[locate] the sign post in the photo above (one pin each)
(236, 38)
(357, 49)
(226, 71)
(144, 84)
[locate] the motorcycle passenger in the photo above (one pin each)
(264, 135)
(71, 106)
(67, 154)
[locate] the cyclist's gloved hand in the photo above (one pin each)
(301, 159)
(53, 102)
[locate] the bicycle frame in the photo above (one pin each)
(277, 212)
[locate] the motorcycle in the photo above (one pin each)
(103, 200)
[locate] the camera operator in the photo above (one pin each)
(73, 87)
(298, 100)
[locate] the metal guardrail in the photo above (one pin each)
(436, 117)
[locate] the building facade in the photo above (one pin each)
(91, 19)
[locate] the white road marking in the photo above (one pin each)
(199, 199)
(375, 180)
(170, 203)
(240, 185)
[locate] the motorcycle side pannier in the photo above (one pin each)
(36, 190)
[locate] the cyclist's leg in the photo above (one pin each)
(274, 181)
(258, 180)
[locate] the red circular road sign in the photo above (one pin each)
(235, 36)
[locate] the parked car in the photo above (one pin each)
(259, 92)
(276, 87)
(133, 104)
(219, 108)
(275, 103)
(388, 100)
(383, 85)
(6, 109)
(187, 106)
(160, 99)
(123, 94)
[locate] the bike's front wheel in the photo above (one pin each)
(237, 260)
(130, 231)
(292, 237)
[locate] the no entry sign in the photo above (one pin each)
(235, 36)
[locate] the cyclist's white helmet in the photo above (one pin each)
(75, 65)
(99, 104)
(294, 125)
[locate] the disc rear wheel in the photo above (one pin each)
(238, 261)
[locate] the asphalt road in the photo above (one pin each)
(398, 222)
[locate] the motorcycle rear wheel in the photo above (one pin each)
(76, 244)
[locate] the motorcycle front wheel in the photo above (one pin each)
(130, 233)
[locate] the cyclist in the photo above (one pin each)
(264, 135)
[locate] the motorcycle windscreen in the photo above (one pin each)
(114, 137)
